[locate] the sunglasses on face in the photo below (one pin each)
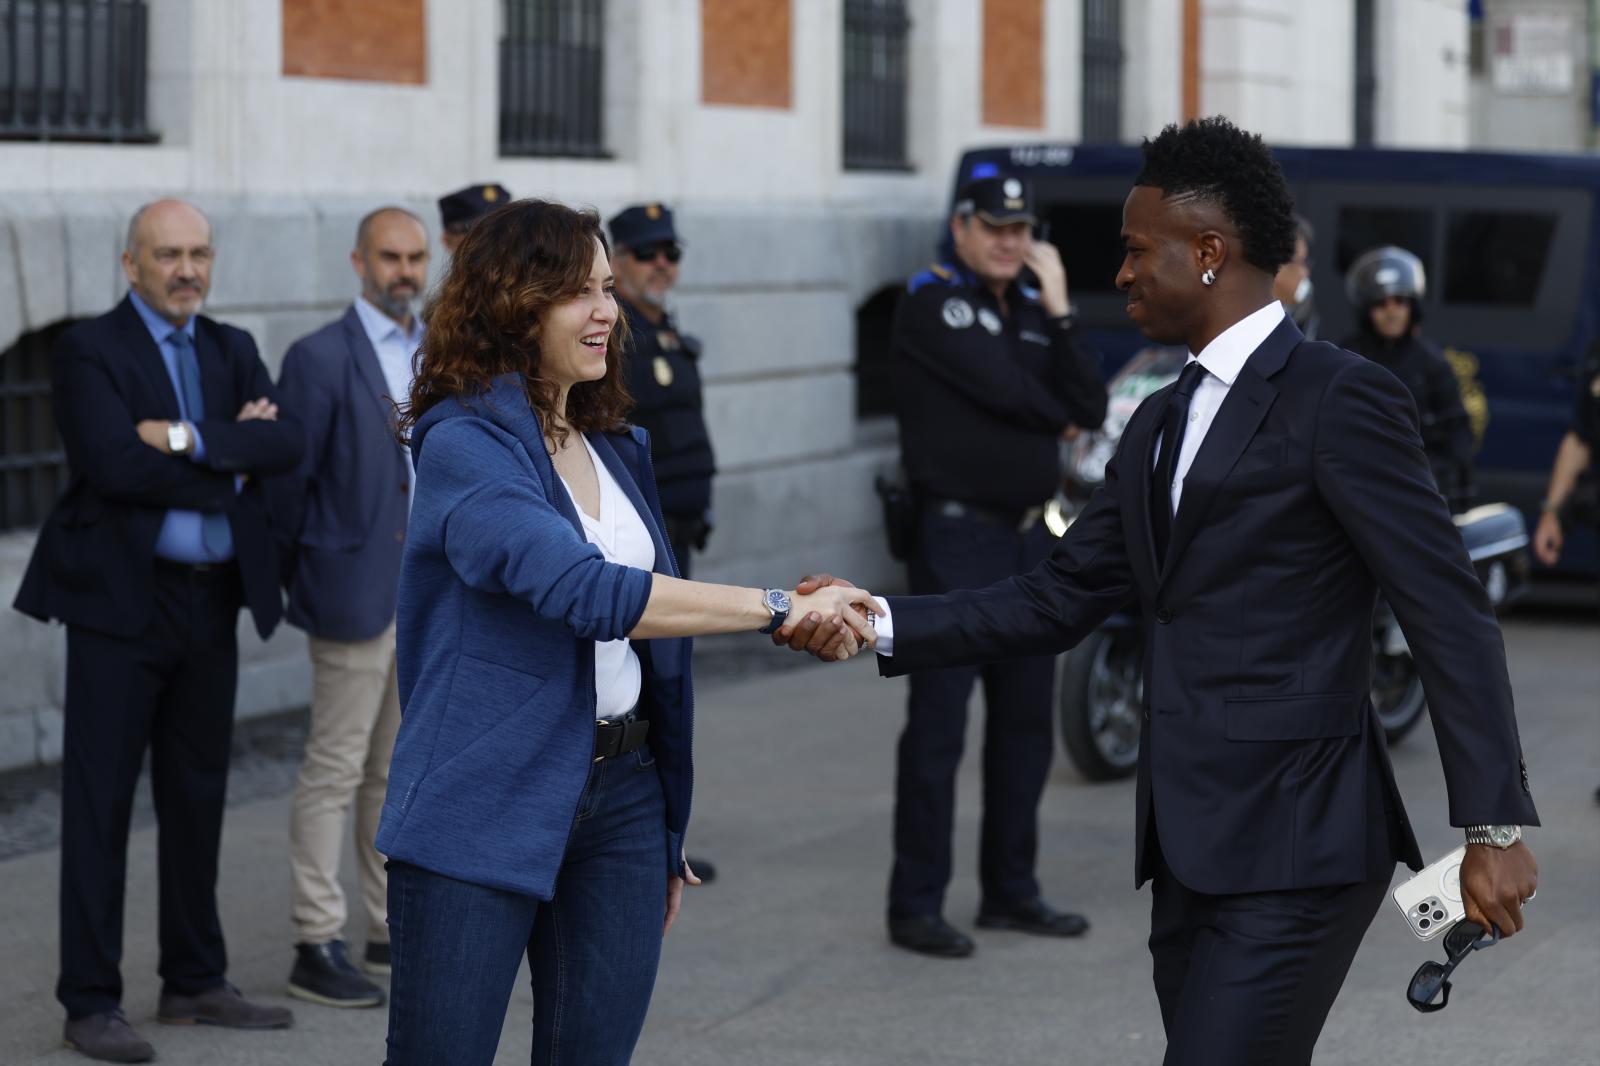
(1433, 978)
(648, 253)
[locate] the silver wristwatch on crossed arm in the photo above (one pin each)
(1494, 836)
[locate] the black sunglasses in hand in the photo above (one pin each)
(1433, 978)
(648, 253)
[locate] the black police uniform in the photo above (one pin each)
(982, 397)
(663, 374)
(1446, 429)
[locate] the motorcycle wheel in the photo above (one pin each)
(1396, 692)
(1101, 703)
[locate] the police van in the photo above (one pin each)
(1510, 243)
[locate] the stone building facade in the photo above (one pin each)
(808, 147)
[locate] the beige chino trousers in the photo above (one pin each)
(355, 712)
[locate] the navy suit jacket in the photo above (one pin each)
(1262, 764)
(340, 517)
(94, 562)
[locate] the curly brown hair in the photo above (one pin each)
(513, 265)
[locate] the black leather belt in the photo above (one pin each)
(619, 735)
(205, 571)
(1020, 519)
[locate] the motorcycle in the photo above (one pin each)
(1100, 698)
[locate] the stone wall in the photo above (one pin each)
(772, 294)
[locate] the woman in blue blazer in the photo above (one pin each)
(541, 779)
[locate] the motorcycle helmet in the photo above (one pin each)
(1384, 272)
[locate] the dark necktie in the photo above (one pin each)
(1172, 428)
(214, 531)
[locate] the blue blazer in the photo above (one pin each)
(340, 518)
(501, 603)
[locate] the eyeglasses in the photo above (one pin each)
(648, 253)
(1433, 978)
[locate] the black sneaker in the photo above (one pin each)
(323, 974)
(376, 960)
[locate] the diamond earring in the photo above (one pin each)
(1209, 277)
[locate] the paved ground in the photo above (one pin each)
(784, 961)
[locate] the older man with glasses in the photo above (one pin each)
(662, 368)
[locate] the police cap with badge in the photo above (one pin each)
(646, 228)
(461, 208)
(998, 200)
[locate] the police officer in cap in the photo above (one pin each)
(989, 374)
(663, 374)
(459, 210)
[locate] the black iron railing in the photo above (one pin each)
(1102, 71)
(33, 468)
(551, 70)
(875, 84)
(73, 70)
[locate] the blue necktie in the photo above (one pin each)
(214, 532)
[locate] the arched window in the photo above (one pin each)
(33, 468)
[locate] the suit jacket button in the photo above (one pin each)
(402, 488)
(400, 536)
(1163, 616)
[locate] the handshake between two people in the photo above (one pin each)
(831, 619)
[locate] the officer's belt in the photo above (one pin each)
(1020, 520)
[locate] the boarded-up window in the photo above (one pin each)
(364, 40)
(744, 52)
(1013, 63)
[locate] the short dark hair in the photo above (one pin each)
(1213, 160)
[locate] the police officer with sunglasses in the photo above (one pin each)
(661, 366)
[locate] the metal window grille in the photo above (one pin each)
(33, 468)
(551, 68)
(1366, 74)
(1102, 70)
(875, 33)
(73, 70)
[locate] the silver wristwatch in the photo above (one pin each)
(178, 439)
(1495, 836)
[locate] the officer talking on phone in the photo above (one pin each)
(989, 373)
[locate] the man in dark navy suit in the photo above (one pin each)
(170, 421)
(1254, 509)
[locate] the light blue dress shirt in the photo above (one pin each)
(395, 348)
(180, 539)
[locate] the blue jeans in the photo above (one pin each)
(593, 948)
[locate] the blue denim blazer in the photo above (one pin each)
(501, 603)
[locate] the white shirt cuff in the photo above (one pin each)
(884, 627)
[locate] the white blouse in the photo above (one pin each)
(622, 538)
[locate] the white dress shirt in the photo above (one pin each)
(622, 538)
(1222, 359)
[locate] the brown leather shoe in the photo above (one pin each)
(107, 1037)
(224, 1006)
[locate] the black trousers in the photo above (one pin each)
(957, 553)
(171, 690)
(1248, 979)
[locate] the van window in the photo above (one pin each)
(1362, 229)
(1089, 236)
(1496, 257)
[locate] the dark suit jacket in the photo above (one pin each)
(341, 515)
(1261, 761)
(93, 564)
